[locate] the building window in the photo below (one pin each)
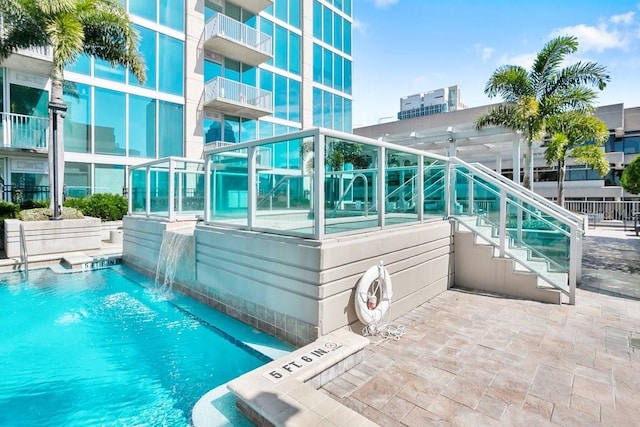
(109, 122)
(142, 127)
(170, 129)
(77, 123)
(171, 62)
(147, 48)
(171, 13)
(108, 179)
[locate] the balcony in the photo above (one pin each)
(237, 99)
(25, 132)
(253, 6)
(235, 40)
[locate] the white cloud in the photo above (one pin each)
(384, 4)
(524, 60)
(625, 18)
(597, 38)
(359, 26)
(485, 52)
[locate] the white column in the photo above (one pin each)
(193, 79)
(516, 160)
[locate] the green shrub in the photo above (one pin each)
(107, 207)
(45, 214)
(8, 210)
(33, 204)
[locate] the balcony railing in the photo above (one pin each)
(237, 99)
(20, 131)
(235, 40)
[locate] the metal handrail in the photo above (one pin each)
(511, 184)
(24, 256)
(349, 187)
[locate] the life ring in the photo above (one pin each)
(371, 312)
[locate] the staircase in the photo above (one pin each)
(511, 241)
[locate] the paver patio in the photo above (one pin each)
(474, 359)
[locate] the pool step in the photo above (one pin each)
(75, 262)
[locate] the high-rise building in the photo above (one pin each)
(217, 71)
(433, 102)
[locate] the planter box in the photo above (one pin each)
(52, 237)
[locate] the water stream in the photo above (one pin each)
(175, 250)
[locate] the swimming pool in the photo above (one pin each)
(102, 348)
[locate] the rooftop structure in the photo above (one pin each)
(432, 102)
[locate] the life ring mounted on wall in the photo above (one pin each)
(375, 282)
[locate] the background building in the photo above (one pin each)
(218, 71)
(432, 102)
(454, 133)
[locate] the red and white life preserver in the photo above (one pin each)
(369, 311)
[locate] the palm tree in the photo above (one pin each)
(531, 97)
(579, 135)
(71, 27)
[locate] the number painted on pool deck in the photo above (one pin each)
(288, 368)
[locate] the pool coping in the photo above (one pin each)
(285, 391)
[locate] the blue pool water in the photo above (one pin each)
(103, 348)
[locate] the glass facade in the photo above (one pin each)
(114, 120)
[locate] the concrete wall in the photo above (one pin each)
(299, 289)
(51, 237)
(477, 268)
(142, 240)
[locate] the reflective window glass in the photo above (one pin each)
(327, 25)
(171, 61)
(281, 10)
(266, 27)
(144, 9)
(328, 67)
(170, 129)
(317, 107)
(348, 127)
(110, 121)
(82, 65)
(211, 70)
(337, 71)
(212, 130)
(231, 70)
(248, 75)
(346, 7)
(172, 14)
(294, 53)
(317, 20)
(294, 100)
(147, 49)
(77, 122)
(337, 28)
(294, 13)
(247, 130)
(266, 80)
(317, 63)
(327, 104)
(265, 129)
(347, 76)
(104, 70)
(77, 179)
(337, 113)
(347, 37)
(231, 129)
(142, 127)
(109, 179)
(281, 47)
(281, 97)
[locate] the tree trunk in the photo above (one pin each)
(56, 139)
(526, 179)
(562, 169)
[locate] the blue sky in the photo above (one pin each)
(403, 47)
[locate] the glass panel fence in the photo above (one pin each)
(229, 184)
(401, 187)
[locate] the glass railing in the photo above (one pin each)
(320, 183)
(521, 227)
(168, 188)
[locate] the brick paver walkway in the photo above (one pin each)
(474, 359)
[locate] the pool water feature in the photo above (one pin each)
(102, 348)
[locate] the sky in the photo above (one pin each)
(404, 47)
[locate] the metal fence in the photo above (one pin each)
(605, 210)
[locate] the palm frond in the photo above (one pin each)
(67, 38)
(550, 57)
(511, 82)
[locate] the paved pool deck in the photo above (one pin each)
(473, 359)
